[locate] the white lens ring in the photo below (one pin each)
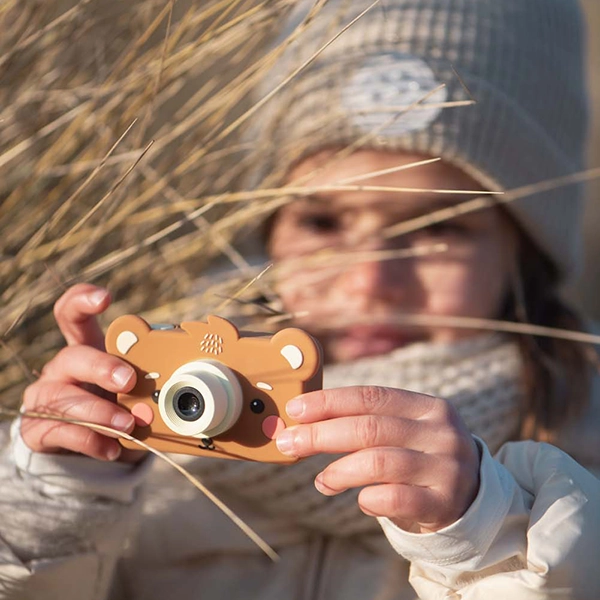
(215, 403)
(221, 392)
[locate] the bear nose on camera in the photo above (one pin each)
(143, 414)
(272, 426)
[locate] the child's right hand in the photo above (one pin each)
(80, 382)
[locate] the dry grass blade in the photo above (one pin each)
(392, 189)
(162, 456)
(404, 107)
(60, 213)
(300, 191)
(493, 325)
(340, 259)
(20, 362)
(243, 118)
(25, 145)
(151, 104)
(34, 37)
(463, 85)
(220, 20)
(364, 139)
(323, 265)
(112, 190)
(440, 215)
(381, 172)
(469, 206)
(222, 306)
(551, 184)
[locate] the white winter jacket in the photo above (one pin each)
(76, 529)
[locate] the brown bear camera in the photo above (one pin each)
(208, 389)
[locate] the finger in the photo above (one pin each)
(407, 505)
(349, 434)
(382, 465)
(75, 438)
(75, 312)
(84, 364)
(360, 400)
(69, 401)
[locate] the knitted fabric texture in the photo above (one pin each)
(481, 377)
(521, 60)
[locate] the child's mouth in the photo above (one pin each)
(362, 341)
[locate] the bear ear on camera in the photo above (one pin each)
(124, 333)
(301, 351)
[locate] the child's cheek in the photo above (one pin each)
(305, 288)
(465, 289)
(449, 290)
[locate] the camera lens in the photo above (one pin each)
(201, 399)
(188, 404)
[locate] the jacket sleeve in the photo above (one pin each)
(533, 532)
(64, 521)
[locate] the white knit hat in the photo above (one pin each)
(521, 60)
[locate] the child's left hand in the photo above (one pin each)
(414, 454)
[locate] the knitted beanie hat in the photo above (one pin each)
(521, 60)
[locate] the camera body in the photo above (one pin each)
(208, 389)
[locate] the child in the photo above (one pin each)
(405, 460)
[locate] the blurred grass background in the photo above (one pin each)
(145, 218)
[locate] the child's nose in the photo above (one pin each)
(370, 276)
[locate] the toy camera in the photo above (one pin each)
(208, 389)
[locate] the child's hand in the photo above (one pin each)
(413, 452)
(80, 383)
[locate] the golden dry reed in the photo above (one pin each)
(122, 162)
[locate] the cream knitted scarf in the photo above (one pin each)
(480, 376)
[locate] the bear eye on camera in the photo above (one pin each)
(257, 406)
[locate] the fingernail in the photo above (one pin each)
(121, 375)
(97, 298)
(321, 487)
(368, 512)
(286, 441)
(295, 408)
(122, 421)
(113, 452)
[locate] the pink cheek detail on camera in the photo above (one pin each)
(142, 414)
(272, 426)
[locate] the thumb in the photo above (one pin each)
(76, 313)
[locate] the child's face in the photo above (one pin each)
(469, 279)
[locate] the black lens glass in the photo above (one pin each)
(188, 404)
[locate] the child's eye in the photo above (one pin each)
(444, 228)
(319, 222)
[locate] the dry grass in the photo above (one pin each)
(121, 162)
(115, 113)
